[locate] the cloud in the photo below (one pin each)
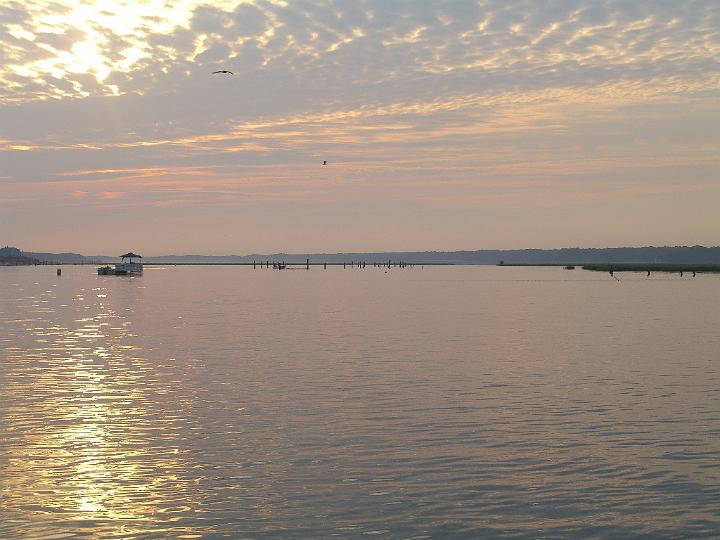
(391, 44)
(409, 100)
(112, 195)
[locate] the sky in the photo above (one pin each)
(446, 124)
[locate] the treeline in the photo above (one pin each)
(11, 256)
(563, 256)
(669, 254)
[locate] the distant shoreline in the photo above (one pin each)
(604, 267)
(643, 256)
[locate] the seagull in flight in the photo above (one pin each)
(223, 71)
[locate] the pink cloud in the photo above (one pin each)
(112, 195)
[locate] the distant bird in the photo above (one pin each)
(223, 71)
(324, 162)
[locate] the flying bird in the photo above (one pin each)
(223, 71)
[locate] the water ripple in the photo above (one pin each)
(453, 403)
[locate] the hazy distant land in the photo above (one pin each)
(565, 256)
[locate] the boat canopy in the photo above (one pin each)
(130, 256)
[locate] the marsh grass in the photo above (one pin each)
(652, 267)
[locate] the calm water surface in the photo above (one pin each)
(458, 402)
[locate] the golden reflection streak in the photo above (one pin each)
(85, 427)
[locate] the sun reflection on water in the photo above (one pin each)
(88, 440)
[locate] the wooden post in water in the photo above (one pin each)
(253, 265)
(343, 265)
(325, 266)
(59, 272)
(307, 264)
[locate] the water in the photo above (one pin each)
(453, 402)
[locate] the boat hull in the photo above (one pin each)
(121, 269)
